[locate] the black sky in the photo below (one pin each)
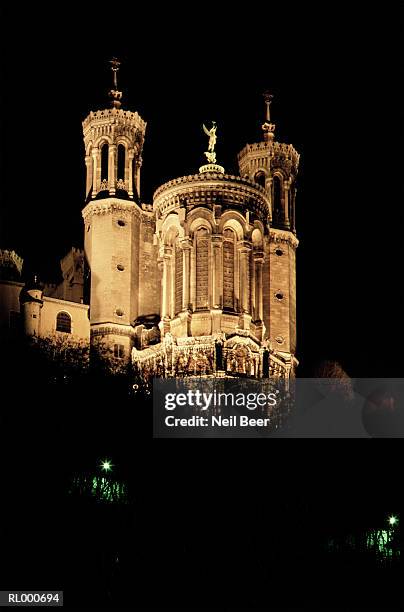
(335, 72)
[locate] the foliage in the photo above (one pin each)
(338, 381)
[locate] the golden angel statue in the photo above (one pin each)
(210, 153)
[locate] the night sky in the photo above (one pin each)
(335, 76)
(335, 70)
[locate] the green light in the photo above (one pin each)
(393, 520)
(106, 465)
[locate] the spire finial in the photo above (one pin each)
(114, 93)
(268, 127)
(268, 97)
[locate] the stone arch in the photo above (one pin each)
(124, 140)
(260, 177)
(64, 322)
(102, 140)
(235, 221)
(170, 223)
(200, 217)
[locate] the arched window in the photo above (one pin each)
(260, 178)
(104, 162)
(277, 195)
(64, 323)
(178, 279)
(229, 241)
(202, 269)
(121, 162)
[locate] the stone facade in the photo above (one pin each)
(36, 309)
(203, 282)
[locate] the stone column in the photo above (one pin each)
(192, 288)
(138, 166)
(270, 194)
(160, 267)
(217, 298)
(244, 251)
(111, 169)
(186, 272)
(95, 153)
(172, 273)
(286, 185)
(165, 255)
(129, 172)
(258, 261)
(89, 173)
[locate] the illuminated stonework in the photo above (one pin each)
(191, 284)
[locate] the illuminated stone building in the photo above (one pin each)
(200, 282)
(203, 281)
(44, 310)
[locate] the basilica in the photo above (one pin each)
(200, 282)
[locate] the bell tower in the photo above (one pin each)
(113, 140)
(274, 166)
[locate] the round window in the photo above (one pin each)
(121, 223)
(278, 252)
(119, 312)
(279, 339)
(120, 267)
(279, 295)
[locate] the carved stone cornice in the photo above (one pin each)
(113, 124)
(258, 255)
(268, 154)
(102, 329)
(210, 189)
(244, 246)
(279, 236)
(114, 115)
(110, 205)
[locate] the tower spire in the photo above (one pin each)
(114, 93)
(267, 127)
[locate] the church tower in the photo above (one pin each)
(113, 140)
(274, 166)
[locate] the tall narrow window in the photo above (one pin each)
(178, 279)
(64, 323)
(121, 162)
(260, 178)
(291, 202)
(202, 269)
(228, 269)
(119, 351)
(277, 194)
(104, 162)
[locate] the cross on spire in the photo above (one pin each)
(268, 97)
(268, 127)
(114, 93)
(115, 64)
